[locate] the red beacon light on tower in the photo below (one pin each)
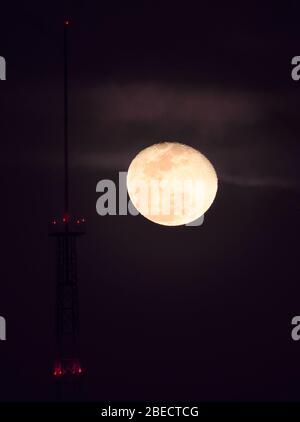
(57, 372)
(80, 221)
(75, 225)
(66, 218)
(76, 369)
(67, 367)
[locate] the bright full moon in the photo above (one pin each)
(171, 183)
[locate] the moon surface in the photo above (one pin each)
(171, 183)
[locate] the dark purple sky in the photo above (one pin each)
(166, 313)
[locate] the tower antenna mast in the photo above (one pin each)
(66, 118)
(67, 370)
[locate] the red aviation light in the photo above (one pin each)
(76, 369)
(58, 372)
(66, 218)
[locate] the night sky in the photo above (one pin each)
(166, 313)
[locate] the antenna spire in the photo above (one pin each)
(66, 118)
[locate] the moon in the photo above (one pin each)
(171, 183)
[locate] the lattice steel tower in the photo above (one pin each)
(67, 371)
